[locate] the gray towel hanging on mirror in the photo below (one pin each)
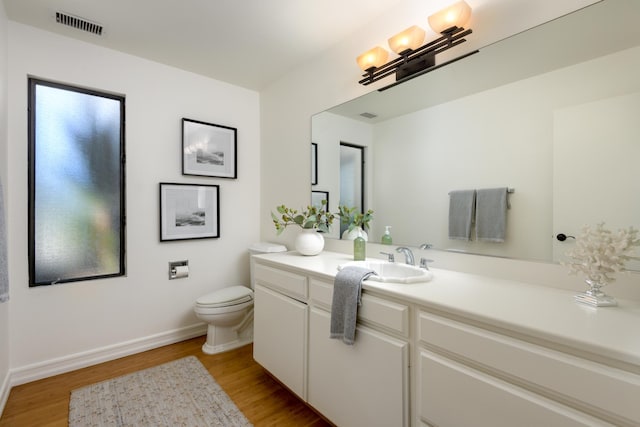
(461, 211)
(491, 214)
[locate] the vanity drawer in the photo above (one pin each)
(320, 293)
(609, 392)
(288, 283)
(453, 394)
(374, 311)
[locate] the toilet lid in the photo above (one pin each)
(227, 296)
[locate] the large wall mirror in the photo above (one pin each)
(553, 112)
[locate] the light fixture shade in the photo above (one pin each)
(372, 58)
(456, 15)
(411, 38)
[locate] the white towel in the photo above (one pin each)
(4, 265)
(347, 288)
(461, 208)
(491, 214)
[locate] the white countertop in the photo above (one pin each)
(538, 311)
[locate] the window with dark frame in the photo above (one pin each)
(76, 183)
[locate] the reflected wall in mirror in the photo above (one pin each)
(551, 112)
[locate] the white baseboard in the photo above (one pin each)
(72, 362)
(5, 389)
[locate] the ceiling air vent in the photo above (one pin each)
(368, 115)
(78, 23)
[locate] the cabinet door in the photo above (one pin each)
(279, 342)
(612, 392)
(452, 395)
(365, 384)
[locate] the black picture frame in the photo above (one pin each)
(189, 211)
(318, 196)
(209, 149)
(314, 163)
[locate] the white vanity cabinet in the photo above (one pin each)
(468, 375)
(461, 350)
(280, 325)
(367, 383)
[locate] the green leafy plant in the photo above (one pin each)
(316, 217)
(354, 217)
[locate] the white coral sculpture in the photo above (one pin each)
(600, 253)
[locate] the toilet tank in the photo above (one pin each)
(262, 248)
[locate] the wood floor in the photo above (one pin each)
(262, 399)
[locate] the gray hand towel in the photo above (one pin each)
(491, 214)
(347, 288)
(461, 209)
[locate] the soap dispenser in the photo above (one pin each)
(386, 237)
(359, 249)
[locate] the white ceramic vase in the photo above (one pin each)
(356, 232)
(309, 242)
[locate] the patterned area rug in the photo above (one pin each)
(178, 393)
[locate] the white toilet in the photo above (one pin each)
(229, 311)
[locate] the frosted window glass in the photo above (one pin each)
(76, 184)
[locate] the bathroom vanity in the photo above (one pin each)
(459, 350)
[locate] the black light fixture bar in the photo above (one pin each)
(427, 70)
(418, 60)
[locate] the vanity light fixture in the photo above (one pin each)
(456, 15)
(373, 58)
(410, 39)
(414, 57)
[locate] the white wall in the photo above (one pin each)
(59, 327)
(4, 307)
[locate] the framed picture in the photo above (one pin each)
(314, 163)
(318, 196)
(189, 211)
(209, 150)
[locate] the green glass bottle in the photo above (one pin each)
(359, 249)
(386, 237)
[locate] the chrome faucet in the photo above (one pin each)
(390, 256)
(408, 255)
(424, 263)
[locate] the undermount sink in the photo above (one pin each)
(390, 272)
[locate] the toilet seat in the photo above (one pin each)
(226, 297)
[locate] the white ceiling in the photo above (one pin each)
(249, 43)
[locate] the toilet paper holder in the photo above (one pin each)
(178, 269)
